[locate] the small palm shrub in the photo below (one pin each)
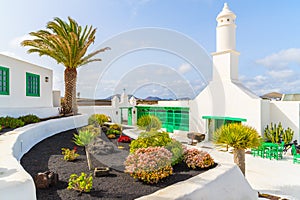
(177, 150)
(98, 119)
(69, 154)
(195, 158)
(83, 139)
(28, 119)
(10, 122)
(240, 137)
(150, 139)
(149, 164)
(82, 183)
(149, 122)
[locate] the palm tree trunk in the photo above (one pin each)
(89, 161)
(70, 104)
(239, 159)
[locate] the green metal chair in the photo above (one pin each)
(296, 156)
(280, 150)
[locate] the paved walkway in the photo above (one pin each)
(278, 177)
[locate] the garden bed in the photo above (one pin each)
(46, 155)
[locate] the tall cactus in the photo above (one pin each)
(273, 133)
(276, 133)
(288, 135)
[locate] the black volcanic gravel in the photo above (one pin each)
(46, 155)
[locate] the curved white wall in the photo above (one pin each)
(15, 182)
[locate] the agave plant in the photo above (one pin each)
(83, 139)
(240, 137)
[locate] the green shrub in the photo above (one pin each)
(90, 128)
(28, 119)
(149, 122)
(0, 128)
(195, 158)
(10, 122)
(176, 148)
(150, 139)
(113, 131)
(82, 183)
(69, 155)
(149, 164)
(98, 119)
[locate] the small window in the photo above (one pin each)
(228, 20)
(32, 85)
(222, 20)
(4, 81)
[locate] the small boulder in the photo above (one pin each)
(46, 179)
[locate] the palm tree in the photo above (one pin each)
(67, 44)
(240, 137)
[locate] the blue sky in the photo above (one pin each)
(268, 37)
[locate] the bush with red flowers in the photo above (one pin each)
(124, 138)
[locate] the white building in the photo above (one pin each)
(225, 99)
(26, 88)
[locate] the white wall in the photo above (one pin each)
(17, 83)
(286, 112)
(107, 110)
(15, 182)
(225, 98)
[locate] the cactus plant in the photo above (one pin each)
(287, 136)
(273, 133)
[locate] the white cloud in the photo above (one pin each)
(184, 68)
(281, 74)
(281, 59)
(16, 42)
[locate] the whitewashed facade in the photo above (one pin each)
(25, 88)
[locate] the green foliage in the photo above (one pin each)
(276, 133)
(83, 138)
(69, 155)
(149, 122)
(288, 135)
(237, 136)
(28, 119)
(113, 131)
(195, 158)
(150, 139)
(149, 164)
(82, 183)
(0, 128)
(92, 129)
(10, 122)
(98, 119)
(273, 133)
(176, 148)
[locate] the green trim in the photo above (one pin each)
(4, 81)
(32, 85)
(225, 118)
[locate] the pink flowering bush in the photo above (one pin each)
(195, 158)
(149, 164)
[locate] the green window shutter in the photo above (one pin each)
(32, 85)
(4, 81)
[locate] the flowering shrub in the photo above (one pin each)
(150, 139)
(98, 119)
(82, 183)
(195, 158)
(149, 164)
(69, 155)
(177, 150)
(124, 138)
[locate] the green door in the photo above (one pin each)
(129, 116)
